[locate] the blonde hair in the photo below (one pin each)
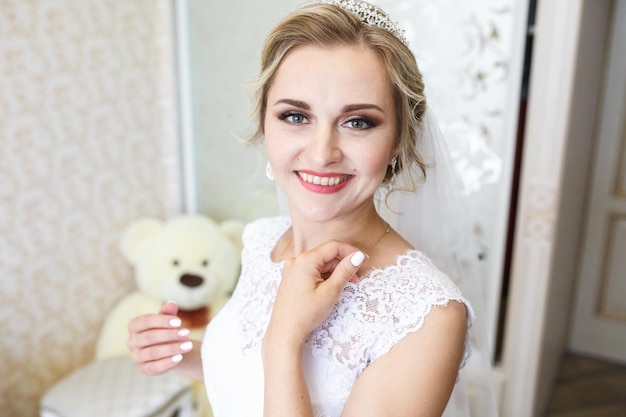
(327, 25)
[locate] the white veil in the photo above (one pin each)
(436, 219)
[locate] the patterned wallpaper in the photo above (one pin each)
(87, 144)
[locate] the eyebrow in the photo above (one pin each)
(346, 108)
(353, 107)
(295, 103)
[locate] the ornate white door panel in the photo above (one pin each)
(599, 326)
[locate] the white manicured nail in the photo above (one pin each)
(183, 333)
(177, 358)
(357, 259)
(175, 322)
(186, 346)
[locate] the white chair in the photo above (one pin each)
(114, 387)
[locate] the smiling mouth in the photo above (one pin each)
(324, 181)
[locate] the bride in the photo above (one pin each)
(339, 309)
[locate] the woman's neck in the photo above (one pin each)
(362, 231)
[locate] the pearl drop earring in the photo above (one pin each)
(268, 171)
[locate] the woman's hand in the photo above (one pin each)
(310, 287)
(157, 341)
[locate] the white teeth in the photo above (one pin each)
(326, 181)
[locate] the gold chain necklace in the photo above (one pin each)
(387, 229)
(366, 250)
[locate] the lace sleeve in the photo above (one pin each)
(416, 286)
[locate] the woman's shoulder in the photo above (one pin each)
(412, 272)
(411, 286)
(408, 292)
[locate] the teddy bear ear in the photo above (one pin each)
(233, 229)
(136, 236)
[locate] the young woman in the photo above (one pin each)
(335, 313)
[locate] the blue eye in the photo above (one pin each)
(359, 123)
(294, 118)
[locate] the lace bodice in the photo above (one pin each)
(370, 317)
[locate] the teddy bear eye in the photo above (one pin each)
(205, 262)
(175, 262)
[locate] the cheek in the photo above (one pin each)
(272, 136)
(280, 157)
(270, 142)
(374, 162)
(275, 150)
(281, 146)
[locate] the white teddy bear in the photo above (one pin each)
(191, 260)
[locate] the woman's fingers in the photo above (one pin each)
(158, 350)
(165, 319)
(338, 260)
(156, 336)
(162, 351)
(347, 268)
(159, 358)
(155, 360)
(170, 308)
(311, 285)
(157, 342)
(153, 321)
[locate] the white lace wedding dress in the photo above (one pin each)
(370, 317)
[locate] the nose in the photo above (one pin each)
(324, 147)
(192, 281)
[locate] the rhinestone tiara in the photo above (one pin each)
(370, 15)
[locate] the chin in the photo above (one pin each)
(317, 214)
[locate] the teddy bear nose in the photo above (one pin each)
(190, 280)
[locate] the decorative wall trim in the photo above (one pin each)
(610, 301)
(620, 181)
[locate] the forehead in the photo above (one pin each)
(354, 72)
